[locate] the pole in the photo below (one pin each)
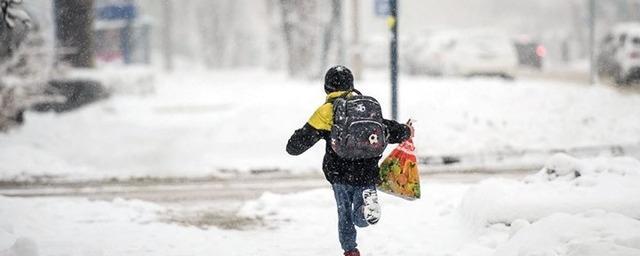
(592, 42)
(393, 24)
(339, 30)
(356, 57)
(125, 41)
(166, 35)
(74, 31)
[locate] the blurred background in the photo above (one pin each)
(62, 55)
(97, 89)
(281, 35)
(158, 116)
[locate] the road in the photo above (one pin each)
(184, 190)
(578, 77)
(209, 202)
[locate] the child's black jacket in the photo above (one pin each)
(336, 169)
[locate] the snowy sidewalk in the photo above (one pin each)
(298, 224)
(450, 219)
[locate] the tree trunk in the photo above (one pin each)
(74, 19)
(275, 58)
(167, 39)
(287, 31)
(356, 57)
(300, 31)
(333, 32)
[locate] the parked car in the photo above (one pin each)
(411, 51)
(376, 52)
(619, 53)
(74, 92)
(530, 53)
(469, 53)
(428, 54)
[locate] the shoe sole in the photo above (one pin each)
(371, 209)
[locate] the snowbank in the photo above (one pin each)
(12, 244)
(21, 247)
(593, 233)
(57, 226)
(565, 185)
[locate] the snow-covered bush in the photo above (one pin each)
(566, 185)
(24, 69)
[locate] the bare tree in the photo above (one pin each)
(225, 39)
(23, 69)
(274, 60)
(167, 39)
(301, 26)
(579, 17)
(356, 55)
(333, 36)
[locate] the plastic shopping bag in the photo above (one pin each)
(399, 172)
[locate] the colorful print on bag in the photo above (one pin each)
(399, 173)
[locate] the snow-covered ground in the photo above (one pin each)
(564, 185)
(443, 222)
(201, 123)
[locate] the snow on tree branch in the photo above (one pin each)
(12, 14)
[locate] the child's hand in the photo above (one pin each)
(410, 125)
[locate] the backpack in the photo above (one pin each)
(358, 131)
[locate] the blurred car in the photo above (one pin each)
(482, 53)
(530, 53)
(468, 53)
(411, 49)
(619, 53)
(426, 54)
(376, 52)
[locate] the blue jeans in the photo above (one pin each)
(349, 201)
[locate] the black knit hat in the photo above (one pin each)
(338, 78)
